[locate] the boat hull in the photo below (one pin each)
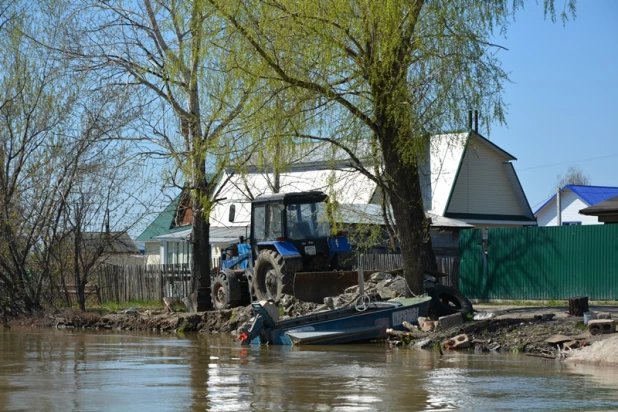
(346, 325)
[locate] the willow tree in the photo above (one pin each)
(171, 54)
(389, 74)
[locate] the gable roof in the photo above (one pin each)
(591, 195)
(163, 223)
(594, 194)
(107, 243)
(458, 162)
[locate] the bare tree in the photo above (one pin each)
(170, 54)
(55, 127)
(573, 176)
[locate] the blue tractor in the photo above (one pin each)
(293, 252)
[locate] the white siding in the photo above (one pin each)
(153, 254)
(483, 186)
(570, 205)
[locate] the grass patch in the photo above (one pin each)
(115, 307)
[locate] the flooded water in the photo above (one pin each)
(64, 370)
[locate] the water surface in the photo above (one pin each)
(71, 370)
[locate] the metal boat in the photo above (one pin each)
(362, 322)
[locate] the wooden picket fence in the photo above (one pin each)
(122, 284)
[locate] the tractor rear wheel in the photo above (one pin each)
(271, 278)
(225, 290)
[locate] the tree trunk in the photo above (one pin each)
(407, 203)
(200, 259)
(81, 298)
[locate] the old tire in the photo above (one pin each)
(225, 290)
(271, 278)
(447, 301)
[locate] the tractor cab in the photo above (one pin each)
(290, 233)
(295, 225)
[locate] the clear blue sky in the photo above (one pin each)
(563, 102)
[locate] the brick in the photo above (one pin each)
(449, 321)
(458, 342)
(599, 326)
(428, 326)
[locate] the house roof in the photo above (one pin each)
(452, 157)
(163, 223)
(349, 213)
(218, 235)
(372, 214)
(311, 155)
(109, 243)
(347, 186)
(609, 206)
(591, 195)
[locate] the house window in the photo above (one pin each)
(178, 252)
(173, 252)
(571, 223)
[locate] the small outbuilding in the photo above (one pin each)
(606, 211)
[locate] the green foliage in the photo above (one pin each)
(376, 80)
(137, 304)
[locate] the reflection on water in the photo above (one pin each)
(51, 370)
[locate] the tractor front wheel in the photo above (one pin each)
(271, 278)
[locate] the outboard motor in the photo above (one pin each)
(266, 315)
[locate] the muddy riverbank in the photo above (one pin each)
(510, 329)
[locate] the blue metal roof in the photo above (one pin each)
(594, 194)
(589, 194)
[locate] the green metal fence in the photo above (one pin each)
(540, 263)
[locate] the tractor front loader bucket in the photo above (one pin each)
(315, 286)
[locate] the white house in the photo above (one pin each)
(573, 198)
(473, 180)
